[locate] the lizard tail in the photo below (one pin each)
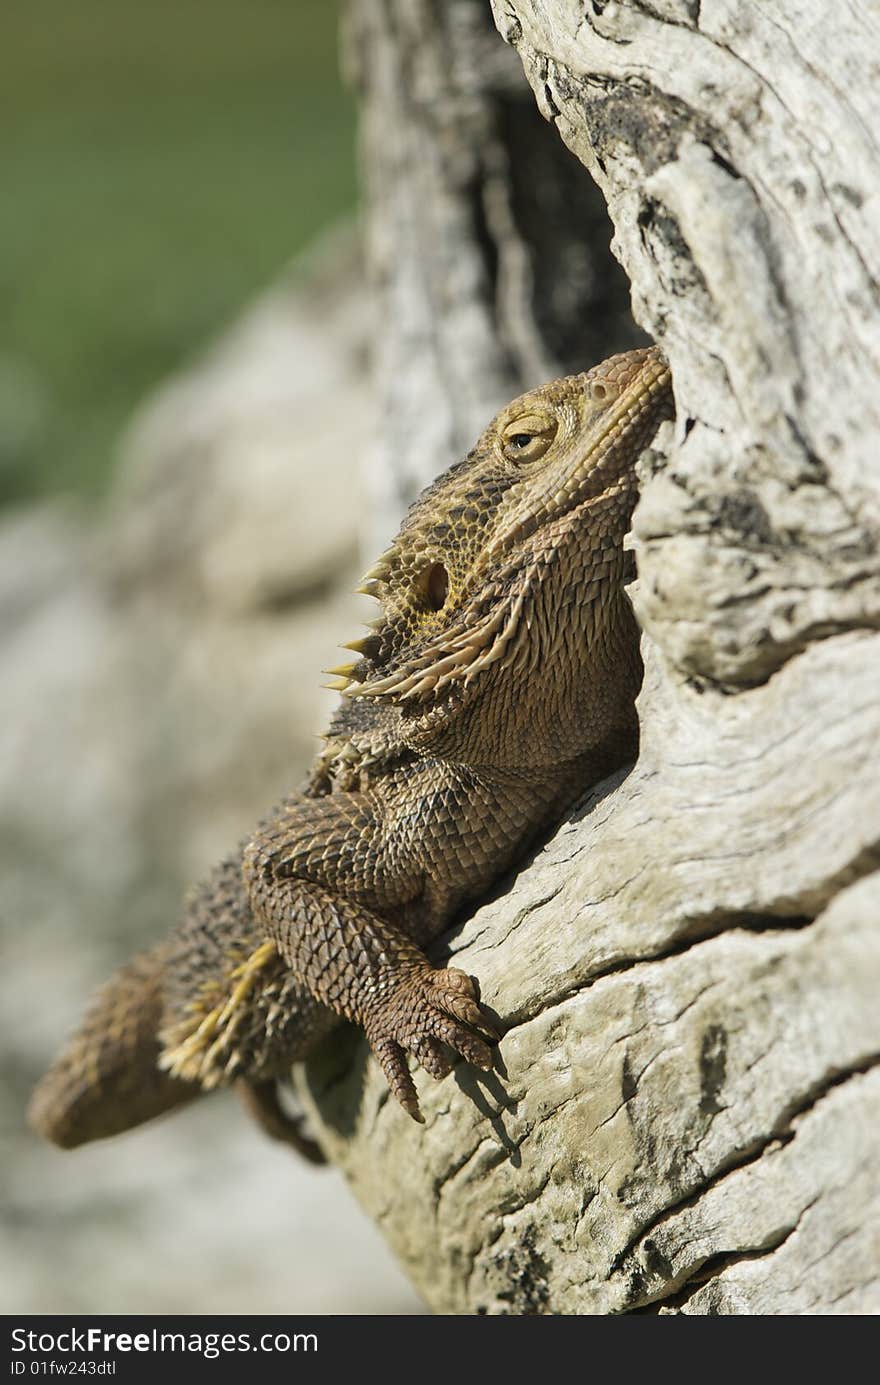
(107, 1079)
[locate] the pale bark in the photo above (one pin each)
(488, 249)
(686, 1109)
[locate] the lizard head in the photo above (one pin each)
(455, 585)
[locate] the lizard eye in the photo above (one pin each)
(433, 585)
(527, 439)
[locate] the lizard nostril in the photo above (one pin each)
(599, 391)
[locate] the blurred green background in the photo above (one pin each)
(160, 163)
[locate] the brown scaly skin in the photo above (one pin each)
(497, 683)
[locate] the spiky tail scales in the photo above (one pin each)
(107, 1078)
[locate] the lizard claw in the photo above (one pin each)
(430, 1008)
(393, 1061)
(461, 1002)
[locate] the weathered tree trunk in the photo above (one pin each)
(488, 248)
(686, 1110)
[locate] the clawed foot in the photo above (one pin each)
(423, 1012)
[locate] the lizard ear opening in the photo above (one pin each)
(433, 585)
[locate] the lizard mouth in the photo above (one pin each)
(488, 628)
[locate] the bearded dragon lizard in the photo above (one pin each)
(497, 683)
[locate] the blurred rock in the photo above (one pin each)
(240, 480)
(160, 688)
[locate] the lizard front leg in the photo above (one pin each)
(349, 955)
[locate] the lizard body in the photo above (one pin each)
(497, 683)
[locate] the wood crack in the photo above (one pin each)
(780, 1134)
